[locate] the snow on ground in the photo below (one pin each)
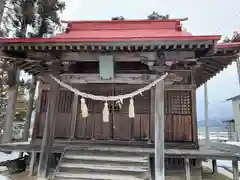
(224, 163)
(220, 170)
(4, 157)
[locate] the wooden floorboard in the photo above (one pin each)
(216, 151)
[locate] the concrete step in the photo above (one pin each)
(86, 176)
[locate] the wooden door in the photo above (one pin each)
(64, 115)
(178, 116)
(138, 127)
(93, 126)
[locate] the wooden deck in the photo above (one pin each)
(216, 151)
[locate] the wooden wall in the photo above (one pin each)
(180, 116)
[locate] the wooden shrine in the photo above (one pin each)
(111, 58)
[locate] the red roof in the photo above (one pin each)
(228, 45)
(119, 31)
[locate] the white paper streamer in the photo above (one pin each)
(84, 108)
(105, 113)
(131, 109)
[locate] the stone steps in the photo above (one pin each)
(103, 165)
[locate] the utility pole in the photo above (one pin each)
(206, 114)
(238, 68)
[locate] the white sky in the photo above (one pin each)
(205, 17)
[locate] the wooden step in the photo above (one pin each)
(107, 158)
(102, 176)
(107, 167)
(106, 152)
(110, 163)
(110, 171)
(103, 165)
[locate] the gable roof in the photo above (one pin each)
(119, 31)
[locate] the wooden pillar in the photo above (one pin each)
(235, 170)
(49, 130)
(32, 164)
(152, 115)
(194, 109)
(187, 169)
(159, 131)
(30, 109)
(214, 166)
(11, 107)
(206, 115)
(75, 106)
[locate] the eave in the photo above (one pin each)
(211, 65)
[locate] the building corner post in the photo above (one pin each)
(49, 130)
(11, 106)
(159, 131)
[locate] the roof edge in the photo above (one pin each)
(233, 98)
(115, 21)
(228, 45)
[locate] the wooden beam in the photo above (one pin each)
(214, 166)
(187, 169)
(49, 130)
(10, 110)
(159, 131)
(75, 107)
(235, 170)
(118, 79)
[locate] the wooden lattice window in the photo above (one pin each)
(65, 101)
(178, 102)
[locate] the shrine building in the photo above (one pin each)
(117, 99)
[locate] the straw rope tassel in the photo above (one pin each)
(131, 108)
(84, 108)
(105, 113)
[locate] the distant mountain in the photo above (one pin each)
(211, 123)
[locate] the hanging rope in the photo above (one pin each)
(118, 98)
(109, 98)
